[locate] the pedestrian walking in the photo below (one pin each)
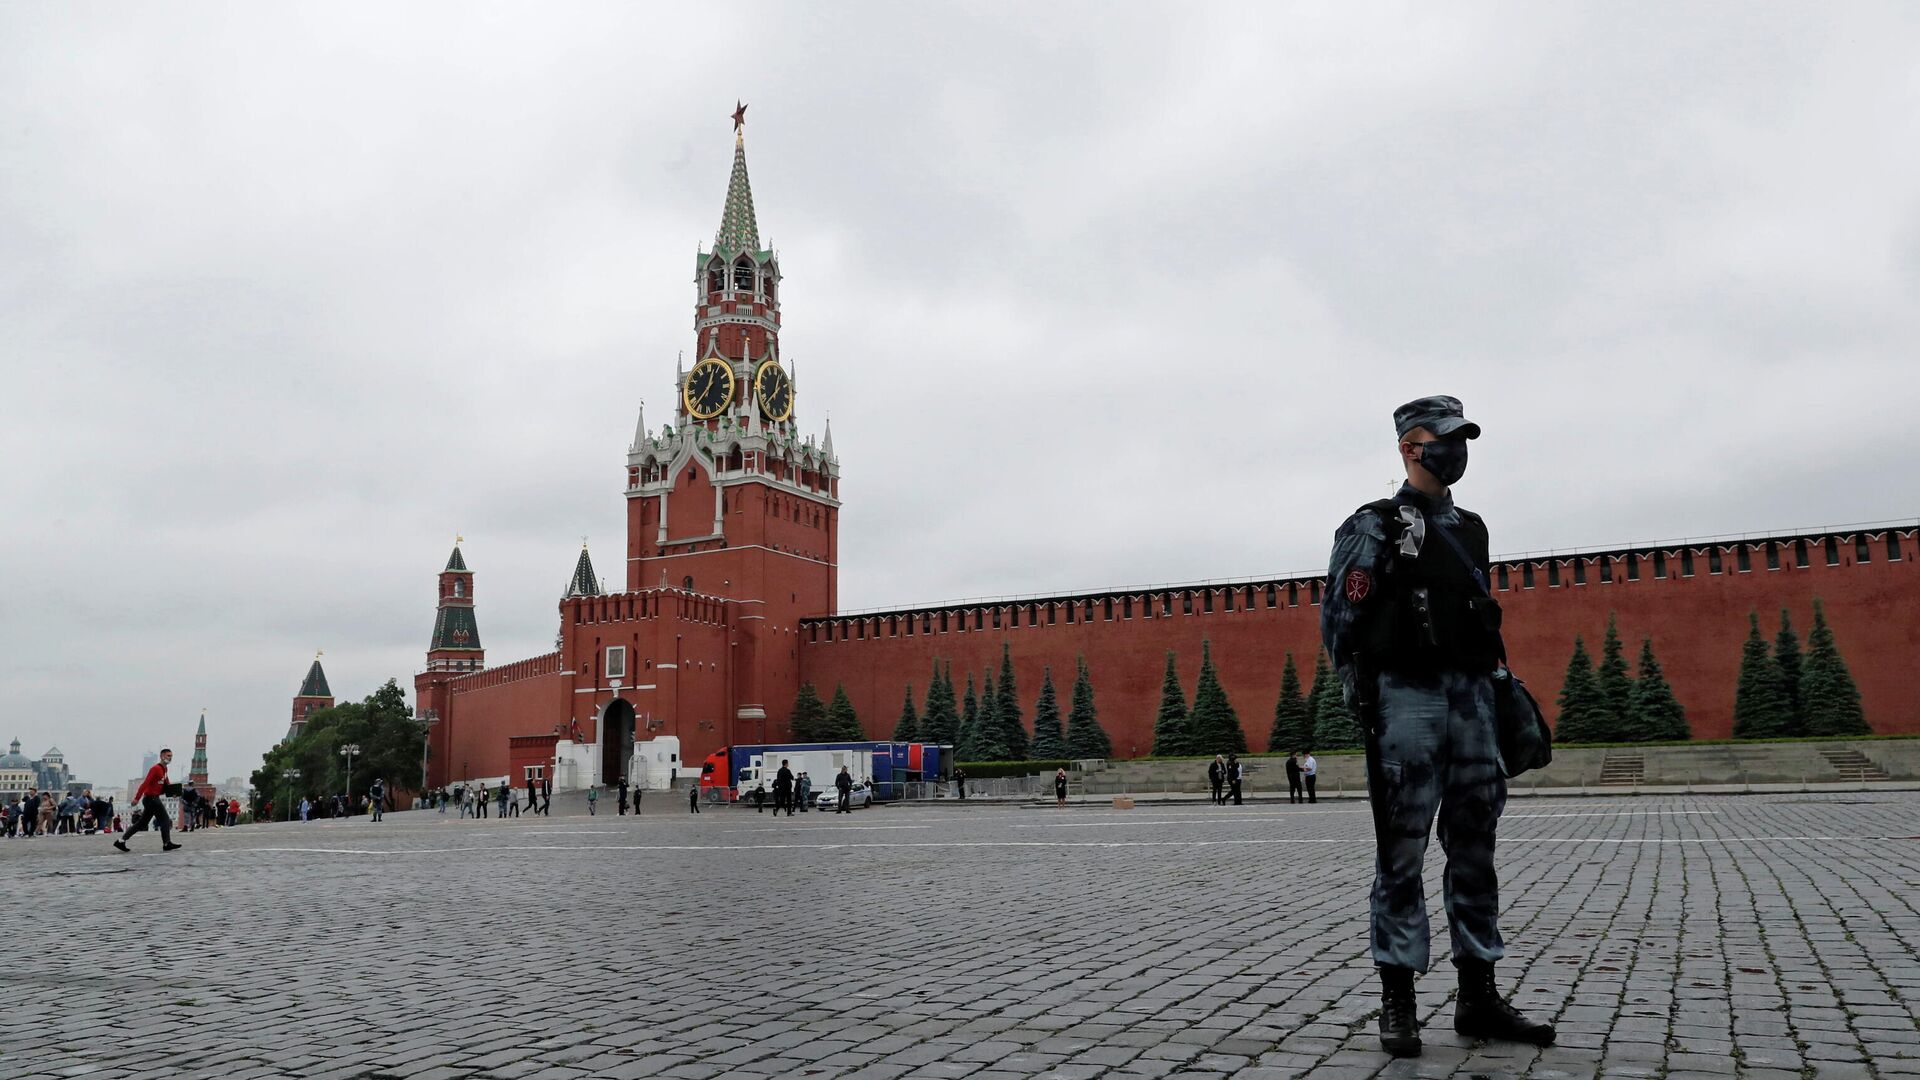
(623, 796)
(593, 799)
(693, 798)
(306, 809)
(844, 784)
(377, 796)
(1060, 787)
(546, 796)
(759, 798)
(804, 790)
(152, 811)
(509, 806)
(533, 797)
(1310, 775)
(960, 781)
(1217, 778)
(1236, 773)
(1410, 624)
(1296, 791)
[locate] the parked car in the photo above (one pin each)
(829, 797)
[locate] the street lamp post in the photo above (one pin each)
(291, 775)
(426, 741)
(349, 750)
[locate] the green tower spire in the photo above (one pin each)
(738, 230)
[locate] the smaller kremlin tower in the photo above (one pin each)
(314, 695)
(197, 775)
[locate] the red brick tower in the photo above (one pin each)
(314, 695)
(729, 500)
(197, 774)
(454, 650)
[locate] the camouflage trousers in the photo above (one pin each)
(1438, 755)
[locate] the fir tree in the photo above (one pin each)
(1832, 699)
(1661, 716)
(1581, 705)
(1292, 717)
(1013, 727)
(1171, 734)
(1214, 726)
(1760, 709)
(1615, 687)
(1786, 654)
(842, 723)
(908, 727)
(964, 744)
(1335, 725)
(989, 732)
(942, 725)
(1324, 682)
(808, 721)
(1049, 740)
(1085, 737)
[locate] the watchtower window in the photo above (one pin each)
(1272, 596)
(1126, 607)
(1086, 610)
(1526, 575)
(1773, 555)
(767, 287)
(1553, 574)
(459, 587)
(1714, 564)
(1606, 570)
(1053, 614)
(1686, 562)
(1069, 606)
(1833, 552)
(1293, 594)
(1633, 567)
(996, 618)
(687, 583)
(1579, 571)
(1659, 564)
(1313, 591)
(713, 281)
(1743, 558)
(1505, 583)
(1860, 551)
(1107, 608)
(1166, 603)
(1893, 547)
(1186, 603)
(1800, 554)
(743, 276)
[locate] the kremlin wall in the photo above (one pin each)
(731, 595)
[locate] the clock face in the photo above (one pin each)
(774, 389)
(709, 389)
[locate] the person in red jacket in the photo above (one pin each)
(152, 810)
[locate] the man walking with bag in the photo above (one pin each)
(1415, 635)
(152, 810)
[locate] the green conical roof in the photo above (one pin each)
(738, 229)
(456, 562)
(316, 682)
(455, 629)
(584, 582)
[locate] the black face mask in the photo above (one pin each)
(1445, 459)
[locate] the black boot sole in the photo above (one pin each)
(1474, 1031)
(1401, 1047)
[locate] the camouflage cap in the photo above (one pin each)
(1441, 415)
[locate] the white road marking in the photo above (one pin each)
(1202, 819)
(1004, 844)
(1611, 813)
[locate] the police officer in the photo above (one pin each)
(1415, 635)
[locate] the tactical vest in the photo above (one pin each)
(1430, 613)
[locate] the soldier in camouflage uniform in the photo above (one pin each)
(1415, 635)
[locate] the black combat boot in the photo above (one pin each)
(1481, 1012)
(1399, 1031)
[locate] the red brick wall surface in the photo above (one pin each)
(1697, 623)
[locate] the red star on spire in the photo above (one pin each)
(739, 115)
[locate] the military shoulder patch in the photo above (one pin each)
(1358, 586)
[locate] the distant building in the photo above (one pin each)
(197, 772)
(17, 774)
(314, 695)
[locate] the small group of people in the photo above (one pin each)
(199, 812)
(793, 792)
(1227, 774)
(42, 813)
(473, 799)
(593, 798)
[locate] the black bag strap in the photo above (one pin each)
(1473, 571)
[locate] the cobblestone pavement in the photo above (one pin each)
(1763, 936)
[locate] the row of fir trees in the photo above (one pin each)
(986, 724)
(1607, 704)
(1784, 693)
(1302, 719)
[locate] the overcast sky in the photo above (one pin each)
(1099, 295)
